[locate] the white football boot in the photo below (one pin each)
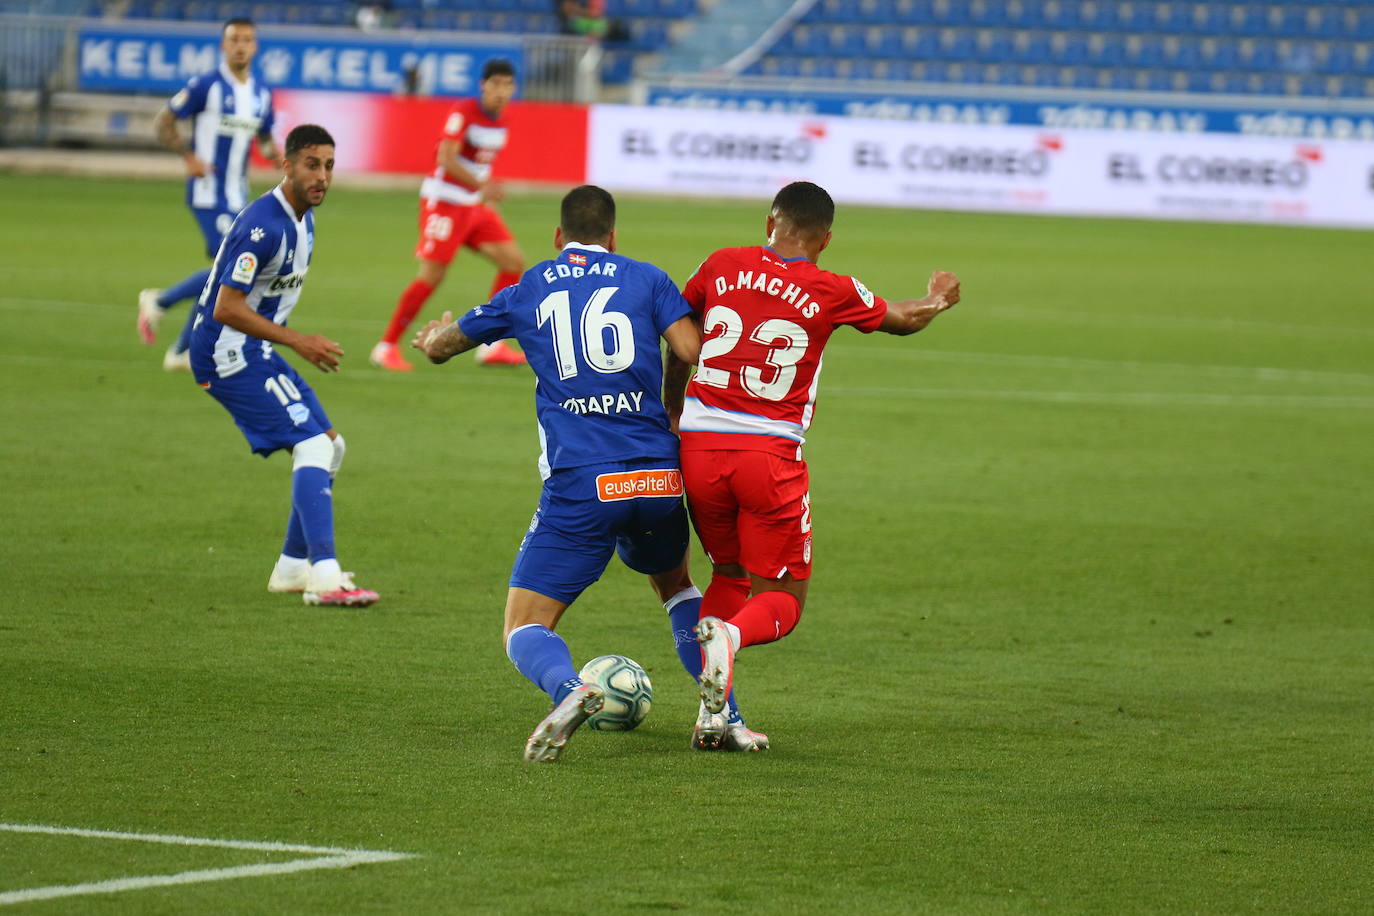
(551, 735)
(175, 360)
(292, 576)
(709, 730)
(149, 315)
(738, 737)
(717, 663)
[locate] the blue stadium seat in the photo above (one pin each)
(994, 45)
(913, 12)
(821, 68)
(1143, 51)
(1030, 47)
(852, 41)
(1353, 87)
(1071, 50)
(1324, 21)
(201, 12)
(920, 43)
(1248, 19)
(1022, 14)
(883, 42)
(878, 11)
(957, 44)
(1210, 19)
(617, 68)
(1106, 50)
(1096, 17)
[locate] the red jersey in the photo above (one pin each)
(480, 138)
(766, 321)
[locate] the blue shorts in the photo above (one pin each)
(214, 225)
(273, 406)
(632, 507)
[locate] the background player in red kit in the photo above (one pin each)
(454, 213)
(767, 312)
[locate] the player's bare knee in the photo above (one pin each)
(729, 570)
(315, 452)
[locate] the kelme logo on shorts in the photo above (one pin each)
(634, 484)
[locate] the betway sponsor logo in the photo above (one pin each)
(722, 146)
(281, 284)
(1222, 171)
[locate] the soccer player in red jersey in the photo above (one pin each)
(454, 213)
(766, 312)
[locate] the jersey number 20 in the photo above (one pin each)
(782, 359)
(597, 323)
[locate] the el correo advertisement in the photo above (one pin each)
(1222, 177)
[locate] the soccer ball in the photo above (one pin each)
(628, 692)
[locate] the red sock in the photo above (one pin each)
(766, 617)
(503, 279)
(412, 300)
(724, 597)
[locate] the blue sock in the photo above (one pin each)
(184, 338)
(683, 619)
(542, 656)
(187, 289)
(295, 544)
(312, 501)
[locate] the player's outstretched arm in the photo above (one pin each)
(442, 340)
(911, 315)
(231, 308)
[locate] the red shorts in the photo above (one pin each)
(446, 227)
(751, 508)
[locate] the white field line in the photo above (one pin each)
(321, 857)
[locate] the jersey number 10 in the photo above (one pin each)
(597, 321)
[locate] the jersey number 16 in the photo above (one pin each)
(597, 323)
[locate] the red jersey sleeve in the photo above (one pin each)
(456, 123)
(695, 290)
(856, 305)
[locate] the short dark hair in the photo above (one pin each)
(497, 66)
(806, 206)
(587, 214)
(304, 135)
(237, 20)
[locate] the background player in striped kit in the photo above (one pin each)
(255, 284)
(454, 213)
(227, 109)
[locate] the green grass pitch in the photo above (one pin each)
(1090, 628)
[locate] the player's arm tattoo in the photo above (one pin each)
(443, 342)
(167, 133)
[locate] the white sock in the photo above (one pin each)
(292, 565)
(732, 633)
(326, 576)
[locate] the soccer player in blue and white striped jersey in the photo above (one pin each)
(227, 109)
(240, 320)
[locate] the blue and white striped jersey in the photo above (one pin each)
(225, 117)
(265, 254)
